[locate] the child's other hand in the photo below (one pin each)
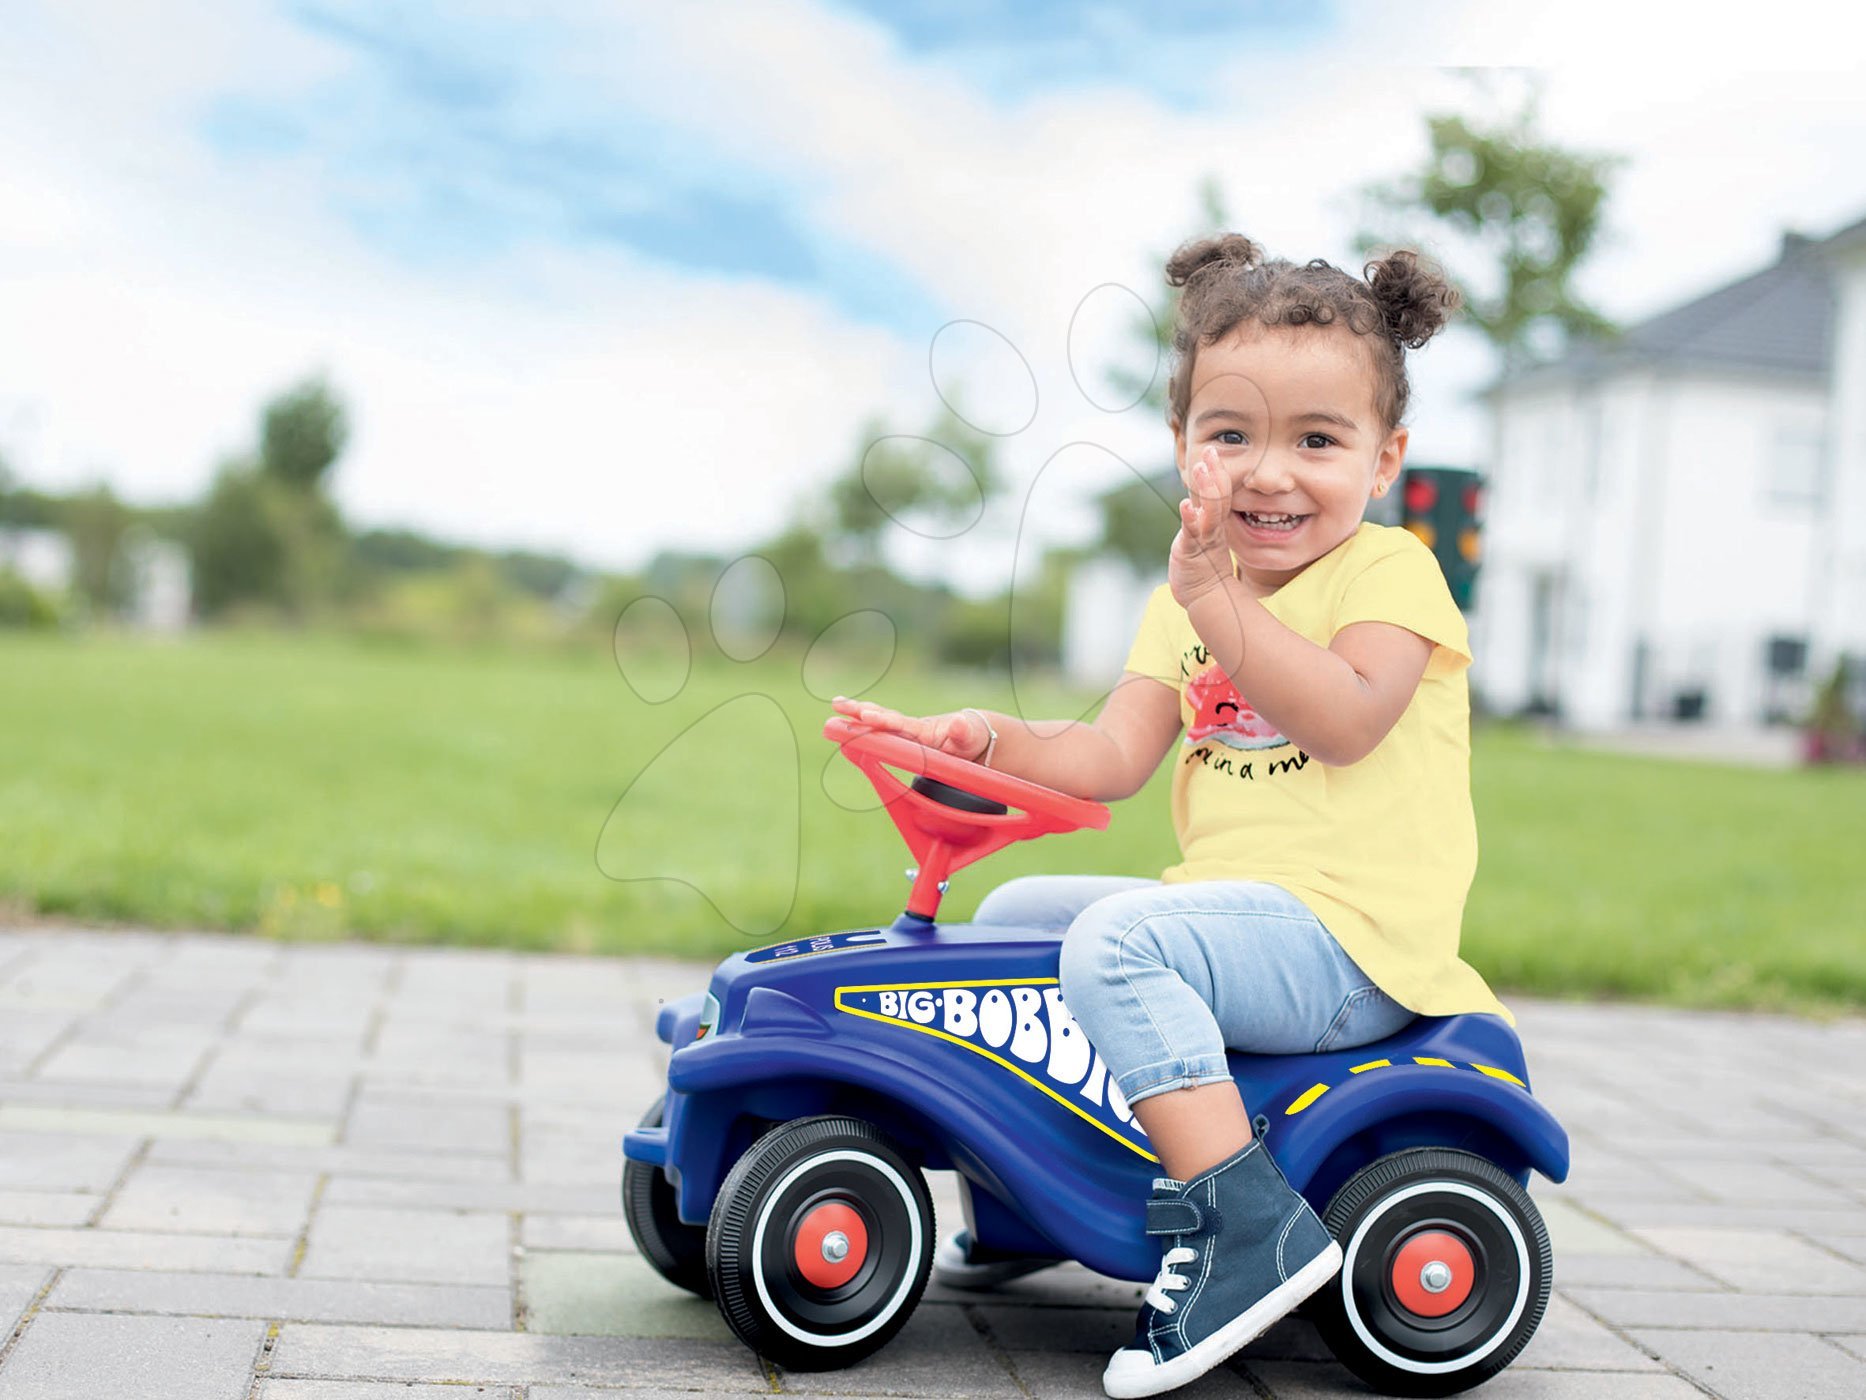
(960, 734)
(1201, 557)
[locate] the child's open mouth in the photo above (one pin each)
(1270, 526)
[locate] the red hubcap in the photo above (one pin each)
(831, 1244)
(1433, 1273)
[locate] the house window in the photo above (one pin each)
(1785, 689)
(1792, 476)
(1788, 656)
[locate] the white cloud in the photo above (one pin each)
(579, 398)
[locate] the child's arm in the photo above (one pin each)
(1104, 760)
(1337, 702)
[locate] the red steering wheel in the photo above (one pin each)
(944, 835)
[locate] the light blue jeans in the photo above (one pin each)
(1163, 978)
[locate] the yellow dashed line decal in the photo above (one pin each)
(1315, 1091)
(1309, 1096)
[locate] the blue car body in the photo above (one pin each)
(954, 1039)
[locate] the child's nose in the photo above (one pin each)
(1273, 474)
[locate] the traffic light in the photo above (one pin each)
(1441, 506)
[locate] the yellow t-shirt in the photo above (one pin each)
(1382, 850)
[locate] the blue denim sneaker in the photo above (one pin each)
(1242, 1249)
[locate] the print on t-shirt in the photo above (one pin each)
(1220, 713)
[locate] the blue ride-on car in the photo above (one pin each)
(813, 1083)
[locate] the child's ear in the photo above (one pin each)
(1392, 457)
(1179, 449)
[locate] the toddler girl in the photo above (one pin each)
(1307, 672)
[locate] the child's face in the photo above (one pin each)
(1290, 412)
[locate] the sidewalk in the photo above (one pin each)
(240, 1170)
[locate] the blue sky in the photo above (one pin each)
(616, 277)
(449, 134)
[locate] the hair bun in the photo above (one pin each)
(1413, 295)
(1225, 250)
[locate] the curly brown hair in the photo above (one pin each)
(1403, 303)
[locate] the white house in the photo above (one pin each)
(1676, 522)
(44, 559)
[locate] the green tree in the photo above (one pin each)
(238, 550)
(938, 480)
(96, 520)
(259, 542)
(1522, 214)
(302, 433)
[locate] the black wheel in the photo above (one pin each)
(820, 1243)
(676, 1249)
(1445, 1273)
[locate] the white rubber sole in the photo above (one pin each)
(1131, 1373)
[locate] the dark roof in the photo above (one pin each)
(1776, 321)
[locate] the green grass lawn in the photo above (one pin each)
(308, 786)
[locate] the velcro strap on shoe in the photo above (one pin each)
(1181, 1217)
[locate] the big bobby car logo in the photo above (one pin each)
(1021, 1025)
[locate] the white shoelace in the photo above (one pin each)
(1168, 1281)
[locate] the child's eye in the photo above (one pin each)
(1317, 440)
(1230, 437)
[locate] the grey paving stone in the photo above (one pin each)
(231, 1084)
(47, 1207)
(938, 1353)
(395, 1120)
(1096, 1330)
(1750, 1182)
(73, 1094)
(352, 1161)
(1076, 1375)
(1629, 1271)
(411, 1246)
(1855, 1346)
(296, 1299)
(149, 1059)
(134, 1249)
(607, 1233)
(26, 1034)
(616, 1295)
(1287, 1380)
(1631, 1307)
(536, 1202)
(511, 1358)
(1642, 1214)
(85, 1356)
(19, 1285)
(569, 1156)
(204, 1200)
(1758, 1261)
(580, 1392)
(1761, 1365)
(1574, 1231)
(63, 1162)
(422, 1053)
(1852, 1246)
(215, 1127)
(388, 1390)
(1567, 1339)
